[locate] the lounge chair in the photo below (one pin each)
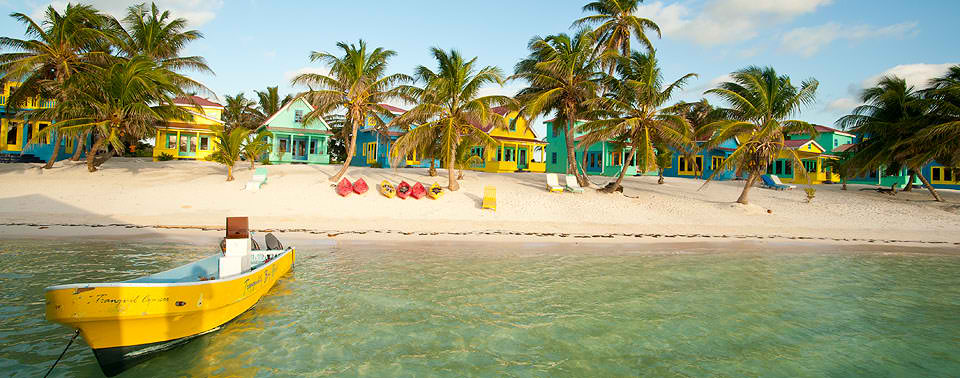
(572, 185)
(490, 198)
(553, 183)
(769, 184)
(776, 180)
(259, 178)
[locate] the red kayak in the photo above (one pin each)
(418, 191)
(344, 188)
(360, 186)
(403, 190)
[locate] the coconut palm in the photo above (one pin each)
(663, 158)
(562, 76)
(119, 99)
(256, 146)
(892, 118)
(239, 111)
(701, 116)
(464, 156)
(616, 25)
(760, 102)
(356, 86)
(270, 101)
(633, 113)
(58, 47)
(450, 109)
(229, 147)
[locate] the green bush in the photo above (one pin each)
(375, 165)
(811, 192)
(164, 157)
(265, 160)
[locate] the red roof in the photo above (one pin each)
(393, 109)
(826, 129)
(845, 147)
(796, 143)
(195, 100)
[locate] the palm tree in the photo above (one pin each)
(256, 146)
(117, 100)
(356, 86)
(562, 74)
(633, 113)
(616, 24)
(239, 111)
(760, 101)
(663, 158)
(700, 115)
(60, 46)
(450, 109)
(464, 156)
(893, 119)
(230, 146)
(270, 101)
(154, 34)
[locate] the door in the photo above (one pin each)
(594, 162)
(12, 136)
(522, 160)
(370, 150)
(299, 151)
(188, 145)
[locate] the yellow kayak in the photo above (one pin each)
(387, 189)
(435, 191)
(127, 322)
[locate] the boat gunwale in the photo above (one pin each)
(161, 284)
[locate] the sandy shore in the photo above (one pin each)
(134, 194)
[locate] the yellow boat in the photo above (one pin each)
(435, 191)
(127, 322)
(387, 189)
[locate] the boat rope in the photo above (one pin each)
(75, 334)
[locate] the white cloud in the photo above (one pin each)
(807, 41)
(506, 90)
(197, 12)
(917, 75)
(842, 105)
(289, 75)
(698, 90)
(719, 22)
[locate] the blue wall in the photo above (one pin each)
(707, 168)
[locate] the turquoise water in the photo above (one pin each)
(378, 310)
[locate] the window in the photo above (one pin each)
(29, 131)
(513, 124)
(836, 142)
(699, 160)
(204, 143)
(313, 146)
(500, 154)
(171, 140)
(297, 116)
(716, 162)
(283, 145)
(12, 133)
(553, 158)
(779, 167)
(616, 158)
(41, 130)
(788, 168)
(941, 175)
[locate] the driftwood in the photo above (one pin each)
(892, 191)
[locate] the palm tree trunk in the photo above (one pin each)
(251, 164)
(623, 172)
(230, 172)
(92, 154)
(81, 143)
(933, 192)
(351, 148)
(659, 176)
(453, 184)
(433, 168)
(909, 186)
(844, 181)
(746, 188)
(56, 151)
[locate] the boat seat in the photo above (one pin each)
(272, 242)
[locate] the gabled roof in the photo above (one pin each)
(393, 109)
(282, 108)
(503, 111)
(196, 100)
(800, 143)
(201, 115)
(845, 147)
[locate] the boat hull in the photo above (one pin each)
(126, 323)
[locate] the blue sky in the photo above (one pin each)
(845, 44)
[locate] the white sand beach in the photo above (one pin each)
(300, 197)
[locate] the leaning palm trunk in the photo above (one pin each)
(909, 186)
(623, 172)
(933, 192)
(453, 184)
(350, 151)
(92, 154)
(572, 158)
(81, 144)
(746, 188)
(56, 151)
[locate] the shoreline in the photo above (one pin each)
(211, 234)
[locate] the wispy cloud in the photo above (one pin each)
(917, 75)
(197, 12)
(721, 22)
(807, 41)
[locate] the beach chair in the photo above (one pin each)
(259, 178)
(489, 198)
(769, 184)
(572, 185)
(776, 180)
(553, 183)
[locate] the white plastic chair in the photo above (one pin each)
(553, 183)
(572, 185)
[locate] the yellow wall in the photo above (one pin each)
(189, 138)
(519, 131)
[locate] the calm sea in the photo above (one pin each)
(534, 310)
